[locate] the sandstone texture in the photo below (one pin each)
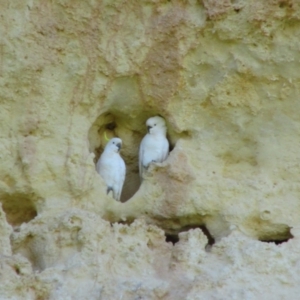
(219, 219)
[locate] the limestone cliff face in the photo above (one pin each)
(225, 76)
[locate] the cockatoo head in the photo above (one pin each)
(114, 145)
(156, 125)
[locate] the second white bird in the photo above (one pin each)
(112, 168)
(154, 146)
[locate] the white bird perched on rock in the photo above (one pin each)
(112, 168)
(154, 146)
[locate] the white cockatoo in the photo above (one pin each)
(154, 146)
(112, 168)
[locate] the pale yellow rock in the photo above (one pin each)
(5, 230)
(224, 75)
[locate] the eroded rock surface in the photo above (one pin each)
(224, 75)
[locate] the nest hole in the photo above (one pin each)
(18, 209)
(280, 237)
(17, 270)
(174, 237)
(131, 129)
